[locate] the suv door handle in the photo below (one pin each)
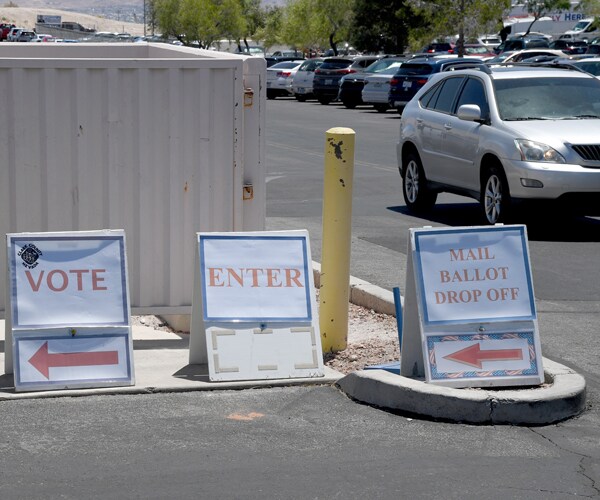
(447, 126)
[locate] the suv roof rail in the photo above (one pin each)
(456, 66)
(554, 64)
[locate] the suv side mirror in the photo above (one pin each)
(470, 113)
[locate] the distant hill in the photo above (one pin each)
(26, 17)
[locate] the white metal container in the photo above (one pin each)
(161, 141)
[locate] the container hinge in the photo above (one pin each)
(248, 192)
(248, 97)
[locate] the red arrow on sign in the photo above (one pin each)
(42, 360)
(473, 355)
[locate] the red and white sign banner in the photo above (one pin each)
(45, 362)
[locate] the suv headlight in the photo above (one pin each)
(537, 151)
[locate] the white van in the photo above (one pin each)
(585, 29)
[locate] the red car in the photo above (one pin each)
(5, 29)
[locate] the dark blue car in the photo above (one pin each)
(415, 73)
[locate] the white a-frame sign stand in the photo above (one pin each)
(254, 313)
(469, 310)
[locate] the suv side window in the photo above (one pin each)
(429, 99)
(447, 95)
(474, 93)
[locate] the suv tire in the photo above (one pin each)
(495, 197)
(417, 195)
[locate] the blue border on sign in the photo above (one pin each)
(35, 237)
(419, 274)
(207, 318)
(80, 382)
(528, 336)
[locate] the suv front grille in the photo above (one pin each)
(589, 152)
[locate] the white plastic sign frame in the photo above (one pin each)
(68, 324)
(254, 314)
(470, 316)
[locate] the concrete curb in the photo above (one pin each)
(363, 293)
(562, 397)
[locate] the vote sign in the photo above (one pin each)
(62, 280)
(69, 321)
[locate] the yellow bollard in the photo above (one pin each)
(335, 247)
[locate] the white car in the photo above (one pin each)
(43, 38)
(523, 55)
(13, 34)
(302, 81)
(279, 78)
(376, 90)
(504, 135)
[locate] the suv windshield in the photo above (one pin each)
(547, 98)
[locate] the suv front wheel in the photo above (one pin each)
(495, 198)
(417, 195)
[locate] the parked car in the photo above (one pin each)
(522, 43)
(43, 38)
(351, 85)
(489, 41)
(13, 34)
(502, 135)
(279, 82)
(327, 78)
(585, 29)
(570, 46)
(522, 55)
(438, 47)
(5, 30)
(479, 51)
(272, 60)
(302, 82)
(288, 53)
(25, 36)
(376, 90)
(413, 74)
(590, 65)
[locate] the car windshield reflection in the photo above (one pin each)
(547, 99)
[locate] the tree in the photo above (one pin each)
(309, 23)
(540, 8)
(255, 17)
(467, 18)
(270, 32)
(200, 22)
(382, 26)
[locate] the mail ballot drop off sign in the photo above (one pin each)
(67, 279)
(474, 275)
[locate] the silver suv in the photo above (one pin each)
(503, 135)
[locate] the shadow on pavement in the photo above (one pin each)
(543, 224)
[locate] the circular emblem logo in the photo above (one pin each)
(29, 255)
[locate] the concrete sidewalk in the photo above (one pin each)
(161, 365)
